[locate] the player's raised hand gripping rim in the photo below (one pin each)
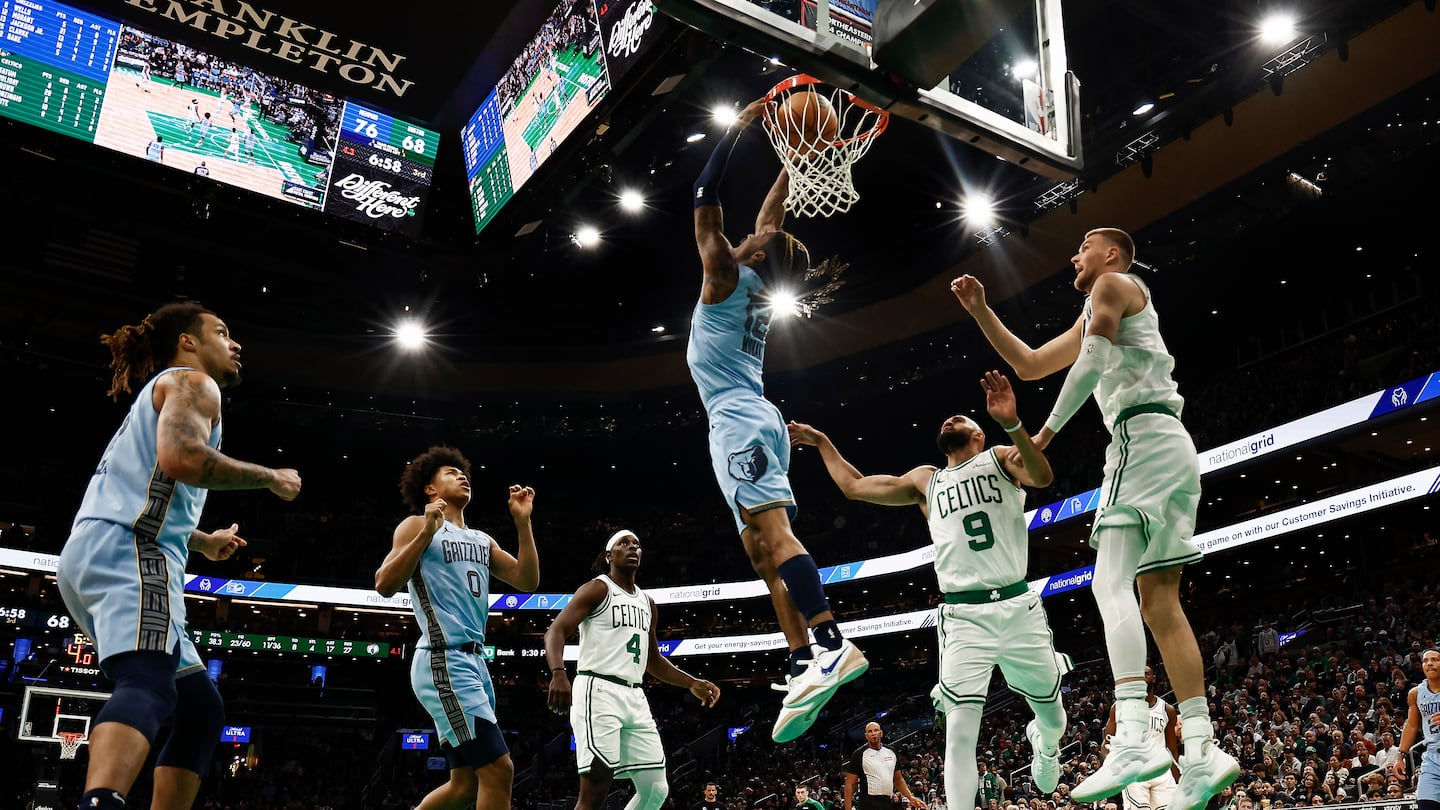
(969, 292)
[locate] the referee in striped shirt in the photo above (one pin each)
(875, 764)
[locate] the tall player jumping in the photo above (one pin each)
(749, 449)
(975, 508)
(447, 567)
(1150, 493)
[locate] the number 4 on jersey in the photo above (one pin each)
(633, 647)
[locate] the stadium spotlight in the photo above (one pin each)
(724, 114)
(1143, 107)
(586, 236)
(784, 302)
(632, 200)
(1024, 69)
(695, 137)
(978, 210)
(1278, 28)
(410, 334)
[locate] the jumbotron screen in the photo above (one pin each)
(71, 71)
(549, 89)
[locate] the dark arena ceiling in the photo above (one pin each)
(98, 238)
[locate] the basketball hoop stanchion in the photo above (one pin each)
(819, 162)
(70, 743)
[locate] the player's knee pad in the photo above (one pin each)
(651, 789)
(483, 749)
(199, 719)
(144, 691)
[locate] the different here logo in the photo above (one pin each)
(1398, 397)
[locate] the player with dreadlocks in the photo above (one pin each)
(122, 571)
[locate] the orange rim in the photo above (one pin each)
(799, 80)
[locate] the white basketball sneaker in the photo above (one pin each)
(1044, 769)
(1134, 756)
(826, 672)
(1203, 774)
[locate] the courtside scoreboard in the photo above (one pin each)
(72, 71)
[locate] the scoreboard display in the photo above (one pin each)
(54, 62)
(294, 644)
(71, 71)
(382, 170)
(558, 78)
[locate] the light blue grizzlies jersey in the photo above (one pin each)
(727, 341)
(1429, 703)
(450, 589)
(129, 489)
(155, 513)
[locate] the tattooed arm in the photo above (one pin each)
(189, 406)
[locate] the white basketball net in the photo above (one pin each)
(819, 169)
(70, 745)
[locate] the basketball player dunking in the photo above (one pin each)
(1150, 493)
(1152, 794)
(446, 567)
(1422, 721)
(122, 571)
(749, 450)
(615, 733)
(975, 507)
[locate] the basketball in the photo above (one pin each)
(808, 121)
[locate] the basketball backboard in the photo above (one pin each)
(49, 711)
(1011, 93)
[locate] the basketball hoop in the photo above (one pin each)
(819, 162)
(70, 743)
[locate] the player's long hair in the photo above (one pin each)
(787, 260)
(421, 471)
(139, 350)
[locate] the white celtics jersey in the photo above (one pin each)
(977, 521)
(615, 638)
(1140, 366)
(1159, 719)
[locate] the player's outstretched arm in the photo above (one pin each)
(717, 255)
(1108, 301)
(1026, 464)
(1029, 364)
(189, 405)
(523, 571)
(886, 490)
(659, 666)
(407, 546)
(772, 211)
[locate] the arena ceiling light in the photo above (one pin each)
(586, 236)
(632, 200)
(784, 302)
(978, 210)
(1278, 28)
(1143, 107)
(724, 114)
(410, 334)
(1025, 69)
